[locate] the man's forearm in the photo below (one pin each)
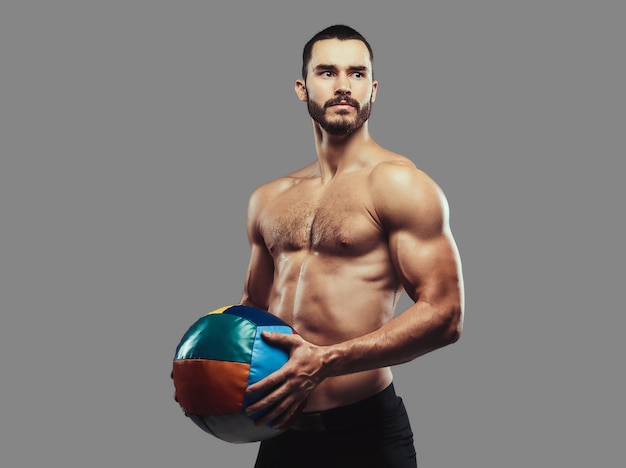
(418, 330)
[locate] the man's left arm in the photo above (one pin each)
(414, 212)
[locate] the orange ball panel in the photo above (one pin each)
(206, 387)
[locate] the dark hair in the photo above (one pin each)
(338, 31)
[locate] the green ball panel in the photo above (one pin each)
(218, 337)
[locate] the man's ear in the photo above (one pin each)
(301, 92)
(374, 90)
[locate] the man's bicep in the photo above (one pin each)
(428, 267)
(260, 272)
(416, 214)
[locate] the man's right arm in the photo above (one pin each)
(260, 274)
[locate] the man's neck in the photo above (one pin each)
(336, 154)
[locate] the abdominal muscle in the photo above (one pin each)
(329, 303)
(347, 389)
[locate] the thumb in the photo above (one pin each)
(283, 340)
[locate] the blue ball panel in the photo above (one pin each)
(266, 359)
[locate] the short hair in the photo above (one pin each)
(338, 31)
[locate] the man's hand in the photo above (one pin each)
(289, 386)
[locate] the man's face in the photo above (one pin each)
(339, 89)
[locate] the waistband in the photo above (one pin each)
(357, 414)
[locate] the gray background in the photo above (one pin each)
(132, 133)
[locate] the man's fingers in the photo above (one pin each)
(283, 340)
(289, 417)
(278, 415)
(267, 401)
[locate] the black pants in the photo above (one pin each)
(373, 433)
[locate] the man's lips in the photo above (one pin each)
(342, 103)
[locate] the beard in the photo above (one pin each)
(340, 125)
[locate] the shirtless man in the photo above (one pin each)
(333, 246)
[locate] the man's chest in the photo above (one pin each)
(337, 220)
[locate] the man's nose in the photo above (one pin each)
(343, 85)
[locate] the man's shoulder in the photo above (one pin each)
(398, 186)
(399, 171)
(308, 171)
(284, 182)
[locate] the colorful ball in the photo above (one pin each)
(219, 356)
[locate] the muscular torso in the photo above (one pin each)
(333, 275)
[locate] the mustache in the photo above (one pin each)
(342, 100)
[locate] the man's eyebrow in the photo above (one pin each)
(325, 67)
